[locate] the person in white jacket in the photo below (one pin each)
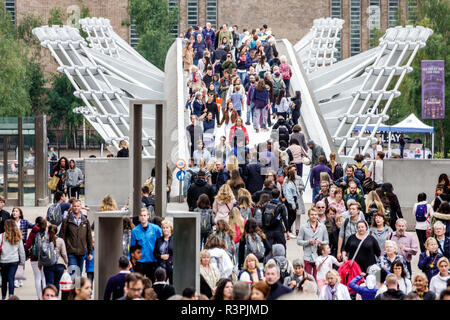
(439, 282)
(334, 290)
(219, 256)
(12, 255)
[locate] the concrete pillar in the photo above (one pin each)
(135, 157)
(160, 163)
(186, 250)
(108, 248)
(41, 161)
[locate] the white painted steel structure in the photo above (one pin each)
(336, 96)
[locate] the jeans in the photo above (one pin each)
(316, 191)
(299, 169)
(236, 257)
(287, 83)
(242, 75)
(53, 274)
(250, 112)
(239, 113)
(75, 260)
(8, 272)
(258, 117)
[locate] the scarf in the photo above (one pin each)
(330, 293)
(254, 274)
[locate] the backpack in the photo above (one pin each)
(246, 213)
(283, 132)
(46, 251)
(277, 86)
(205, 221)
(268, 215)
(258, 216)
(360, 173)
(255, 246)
(54, 214)
(421, 213)
(228, 244)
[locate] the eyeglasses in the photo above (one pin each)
(320, 207)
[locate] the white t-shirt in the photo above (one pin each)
(326, 266)
(424, 225)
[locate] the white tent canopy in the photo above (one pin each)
(410, 124)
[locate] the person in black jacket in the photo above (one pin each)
(123, 152)
(4, 215)
(276, 232)
(391, 204)
(116, 283)
(268, 187)
(199, 187)
(211, 106)
(392, 293)
(163, 250)
(162, 289)
(284, 129)
(223, 175)
(277, 289)
(295, 108)
(254, 180)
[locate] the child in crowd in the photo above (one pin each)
(324, 263)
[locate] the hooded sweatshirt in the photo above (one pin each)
(74, 177)
(279, 257)
(11, 253)
(438, 284)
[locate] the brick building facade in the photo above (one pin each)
(291, 19)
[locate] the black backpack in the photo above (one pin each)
(360, 173)
(55, 214)
(193, 177)
(269, 214)
(283, 132)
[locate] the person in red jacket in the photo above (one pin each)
(239, 125)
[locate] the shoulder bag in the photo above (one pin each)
(53, 183)
(305, 158)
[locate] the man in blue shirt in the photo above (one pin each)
(145, 234)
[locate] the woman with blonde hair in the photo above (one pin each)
(188, 57)
(336, 168)
(245, 203)
(219, 256)
(108, 204)
(334, 290)
(373, 204)
(420, 286)
(163, 249)
(13, 254)
(390, 255)
(236, 223)
(232, 163)
(224, 231)
(208, 271)
(123, 152)
(223, 203)
(203, 166)
(250, 267)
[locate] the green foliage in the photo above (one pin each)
(154, 22)
(56, 17)
(61, 102)
(377, 34)
(432, 14)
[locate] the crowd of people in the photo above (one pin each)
(250, 200)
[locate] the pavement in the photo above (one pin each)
(28, 291)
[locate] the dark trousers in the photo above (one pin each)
(295, 117)
(275, 236)
(292, 215)
(53, 274)
(287, 82)
(422, 236)
(8, 272)
(148, 269)
(408, 265)
(299, 169)
(73, 192)
(90, 276)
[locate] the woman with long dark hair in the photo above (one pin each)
(224, 290)
(260, 98)
(60, 171)
(251, 229)
(392, 209)
(235, 182)
(295, 106)
(82, 289)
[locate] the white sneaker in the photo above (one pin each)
(16, 284)
(293, 236)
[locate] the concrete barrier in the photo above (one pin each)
(411, 177)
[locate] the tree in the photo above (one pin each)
(154, 22)
(14, 97)
(432, 14)
(61, 103)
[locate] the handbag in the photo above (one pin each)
(305, 159)
(20, 273)
(53, 183)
